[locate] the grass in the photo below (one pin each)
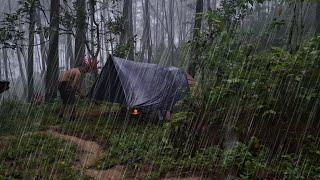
(140, 146)
(37, 156)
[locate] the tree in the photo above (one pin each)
(53, 55)
(196, 35)
(146, 35)
(80, 37)
(5, 63)
(43, 47)
(5, 53)
(69, 52)
(94, 52)
(317, 19)
(171, 31)
(106, 15)
(31, 12)
(0, 71)
(126, 37)
(21, 70)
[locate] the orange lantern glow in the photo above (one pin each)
(135, 112)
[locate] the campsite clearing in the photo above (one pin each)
(99, 144)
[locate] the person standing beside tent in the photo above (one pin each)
(70, 83)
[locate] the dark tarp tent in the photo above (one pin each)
(141, 85)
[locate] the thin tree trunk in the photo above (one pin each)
(43, 47)
(214, 4)
(156, 32)
(105, 2)
(126, 37)
(196, 34)
(0, 71)
(209, 5)
(80, 38)
(30, 52)
(22, 74)
(91, 26)
(317, 19)
(171, 32)
(102, 54)
(69, 52)
(180, 21)
(5, 53)
(53, 55)
(103, 30)
(5, 63)
(146, 35)
(94, 27)
(291, 28)
(164, 25)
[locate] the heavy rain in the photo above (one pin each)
(159, 89)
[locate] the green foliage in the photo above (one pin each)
(17, 117)
(130, 144)
(236, 74)
(116, 25)
(37, 156)
(139, 146)
(249, 160)
(9, 34)
(304, 165)
(123, 50)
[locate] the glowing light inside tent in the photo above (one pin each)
(135, 112)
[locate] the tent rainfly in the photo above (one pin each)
(140, 85)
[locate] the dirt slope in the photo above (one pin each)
(88, 154)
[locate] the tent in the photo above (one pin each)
(140, 85)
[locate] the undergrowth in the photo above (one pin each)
(37, 157)
(140, 147)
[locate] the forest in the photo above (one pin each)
(160, 89)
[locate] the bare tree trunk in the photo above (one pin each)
(127, 34)
(80, 38)
(53, 55)
(94, 28)
(209, 5)
(43, 47)
(0, 71)
(107, 16)
(30, 52)
(69, 52)
(171, 31)
(196, 34)
(317, 19)
(5, 53)
(102, 54)
(22, 74)
(5, 63)
(103, 31)
(291, 27)
(134, 19)
(214, 4)
(92, 46)
(165, 25)
(146, 35)
(156, 32)
(181, 21)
